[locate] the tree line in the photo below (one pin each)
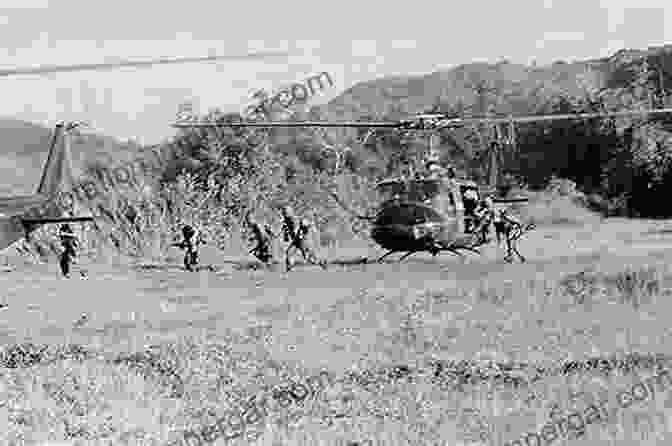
(622, 165)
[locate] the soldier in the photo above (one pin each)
(484, 215)
(498, 223)
(470, 201)
(296, 233)
(191, 238)
(69, 243)
(512, 228)
(262, 239)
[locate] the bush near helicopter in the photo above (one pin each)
(21, 215)
(426, 213)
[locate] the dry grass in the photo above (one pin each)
(163, 351)
(547, 209)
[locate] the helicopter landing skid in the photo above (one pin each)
(433, 251)
(408, 253)
(457, 252)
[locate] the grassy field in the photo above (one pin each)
(222, 336)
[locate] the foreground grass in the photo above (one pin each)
(517, 338)
(420, 353)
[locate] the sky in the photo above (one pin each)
(383, 39)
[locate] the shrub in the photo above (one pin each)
(635, 284)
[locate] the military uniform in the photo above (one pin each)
(504, 223)
(296, 233)
(262, 239)
(484, 215)
(512, 228)
(510, 219)
(470, 201)
(69, 243)
(190, 241)
(499, 225)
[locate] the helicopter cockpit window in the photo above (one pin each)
(424, 190)
(407, 214)
(421, 190)
(418, 191)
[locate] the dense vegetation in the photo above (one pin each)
(622, 165)
(214, 178)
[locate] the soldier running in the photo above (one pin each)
(512, 228)
(500, 226)
(484, 215)
(69, 243)
(262, 238)
(296, 233)
(470, 201)
(191, 238)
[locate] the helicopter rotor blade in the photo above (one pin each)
(445, 123)
(422, 122)
(569, 116)
(44, 69)
(288, 124)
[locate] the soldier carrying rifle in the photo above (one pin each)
(262, 238)
(295, 232)
(191, 238)
(70, 243)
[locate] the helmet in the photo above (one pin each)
(188, 231)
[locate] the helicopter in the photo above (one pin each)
(21, 215)
(426, 212)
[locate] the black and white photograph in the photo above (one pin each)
(450, 229)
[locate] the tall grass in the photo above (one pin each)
(394, 395)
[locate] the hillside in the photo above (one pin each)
(24, 151)
(511, 89)
(517, 86)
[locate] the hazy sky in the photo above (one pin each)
(352, 40)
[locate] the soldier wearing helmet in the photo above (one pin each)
(289, 225)
(484, 215)
(69, 243)
(296, 233)
(470, 201)
(191, 238)
(262, 239)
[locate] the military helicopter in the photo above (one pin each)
(425, 212)
(21, 215)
